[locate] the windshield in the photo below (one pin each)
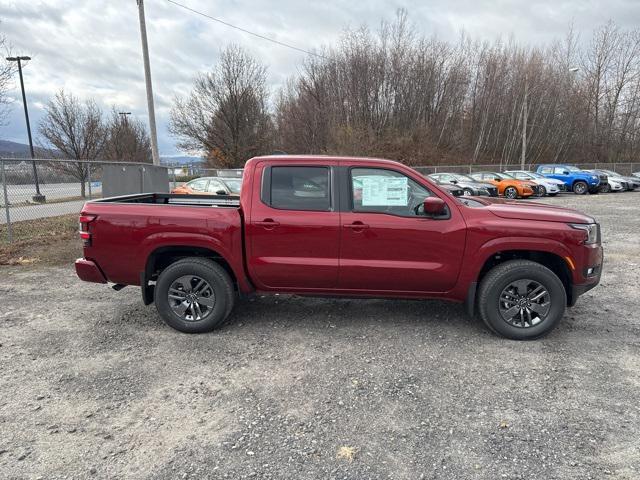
(504, 175)
(535, 175)
(462, 178)
(234, 185)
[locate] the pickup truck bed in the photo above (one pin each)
(340, 226)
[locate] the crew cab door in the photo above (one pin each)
(294, 228)
(386, 245)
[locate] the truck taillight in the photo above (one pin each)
(84, 231)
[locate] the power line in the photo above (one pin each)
(277, 42)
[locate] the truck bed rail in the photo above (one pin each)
(175, 199)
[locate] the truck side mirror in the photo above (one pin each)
(565, 172)
(434, 206)
(497, 179)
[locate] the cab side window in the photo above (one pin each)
(376, 190)
(546, 170)
(300, 188)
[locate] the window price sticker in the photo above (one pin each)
(384, 191)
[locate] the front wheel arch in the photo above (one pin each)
(552, 261)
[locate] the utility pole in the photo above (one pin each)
(147, 78)
(524, 122)
(38, 197)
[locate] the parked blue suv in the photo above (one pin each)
(578, 181)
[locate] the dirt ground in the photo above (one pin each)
(94, 385)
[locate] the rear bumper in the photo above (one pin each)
(89, 271)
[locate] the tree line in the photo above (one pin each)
(421, 100)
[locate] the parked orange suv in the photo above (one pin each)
(507, 185)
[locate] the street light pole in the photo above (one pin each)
(147, 78)
(38, 197)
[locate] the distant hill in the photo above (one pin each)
(20, 150)
(14, 149)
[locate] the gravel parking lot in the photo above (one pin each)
(94, 385)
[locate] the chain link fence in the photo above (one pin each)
(34, 190)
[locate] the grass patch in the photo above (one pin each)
(346, 453)
(52, 241)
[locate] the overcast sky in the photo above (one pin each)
(91, 48)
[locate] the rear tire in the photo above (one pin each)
(198, 281)
(495, 300)
(542, 191)
(467, 192)
(580, 187)
(606, 188)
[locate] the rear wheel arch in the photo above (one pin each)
(160, 258)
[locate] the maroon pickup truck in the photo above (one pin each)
(334, 226)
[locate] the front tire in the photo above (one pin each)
(606, 188)
(580, 187)
(511, 193)
(194, 295)
(521, 300)
(542, 191)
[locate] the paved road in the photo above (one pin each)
(20, 195)
(53, 191)
(32, 212)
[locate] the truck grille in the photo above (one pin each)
(604, 179)
(562, 187)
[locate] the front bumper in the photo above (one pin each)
(88, 271)
(589, 276)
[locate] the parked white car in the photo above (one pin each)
(548, 186)
(616, 183)
(632, 182)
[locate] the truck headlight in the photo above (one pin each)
(594, 177)
(592, 231)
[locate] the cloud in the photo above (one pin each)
(92, 48)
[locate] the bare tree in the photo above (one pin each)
(76, 131)
(225, 116)
(127, 139)
(421, 100)
(6, 74)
